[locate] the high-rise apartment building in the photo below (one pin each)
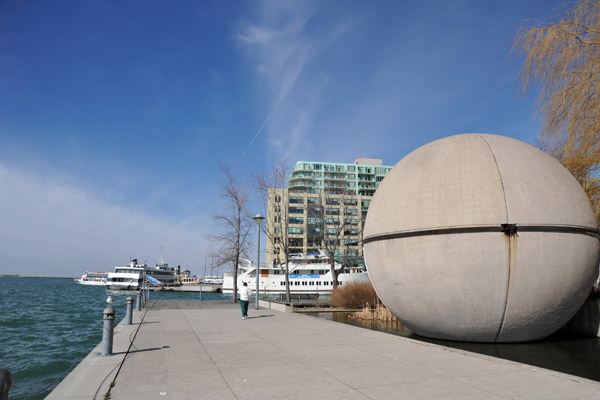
(324, 207)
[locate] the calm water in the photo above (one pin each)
(48, 325)
(564, 352)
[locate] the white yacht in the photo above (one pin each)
(308, 274)
(130, 277)
(92, 279)
(133, 276)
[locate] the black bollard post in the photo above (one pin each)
(6, 382)
(107, 331)
(129, 310)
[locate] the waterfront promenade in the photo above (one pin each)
(180, 351)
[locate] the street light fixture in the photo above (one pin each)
(258, 219)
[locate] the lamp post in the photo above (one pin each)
(258, 219)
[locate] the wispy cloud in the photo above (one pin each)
(71, 230)
(287, 47)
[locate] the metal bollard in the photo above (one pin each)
(129, 310)
(138, 304)
(107, 331)
(6, 382)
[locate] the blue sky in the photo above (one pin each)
(114, 115)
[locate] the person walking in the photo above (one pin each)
(245, 293)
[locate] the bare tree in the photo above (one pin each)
(563, 58)
(232, 239)
(273, 192)
(334, 221)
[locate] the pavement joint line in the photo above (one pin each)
(114, 381)
(209, 356)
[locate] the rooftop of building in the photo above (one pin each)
(360, 161)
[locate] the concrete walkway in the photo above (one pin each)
(212, 353)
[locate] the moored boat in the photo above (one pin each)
(163, 273)
(134, 276)
(92, 278)
(129, 277)
(307, 274)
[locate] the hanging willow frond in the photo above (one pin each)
(562, 59)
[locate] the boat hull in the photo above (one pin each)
(306, 284)
(89, 283)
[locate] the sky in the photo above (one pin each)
(115, 116)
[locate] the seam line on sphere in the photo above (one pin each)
(499, 175)
(577, 230)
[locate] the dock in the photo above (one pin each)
(204, 350)
(198, 288)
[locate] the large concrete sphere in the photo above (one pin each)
(441, 260)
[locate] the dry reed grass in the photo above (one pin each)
(379, 313)
(353, 296)
(361, 296)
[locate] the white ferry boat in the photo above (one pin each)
(130, 277)
(133, 276)
(308, 274)
(166, 275)
(92, 278)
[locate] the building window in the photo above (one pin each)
(296, 220)
(350, 167)
(296, 200)
(296, 210)
(292, 230)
